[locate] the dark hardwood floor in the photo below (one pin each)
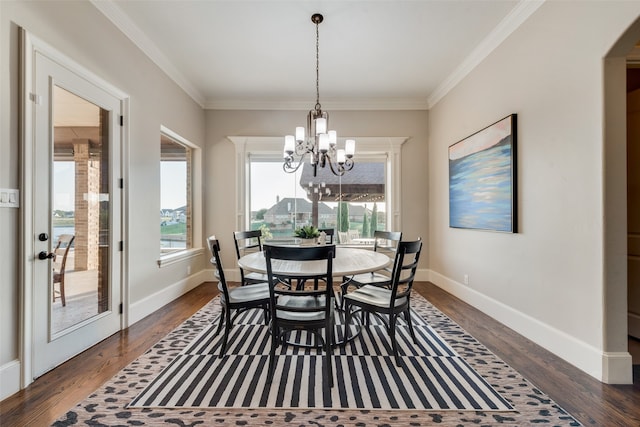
(592, 402)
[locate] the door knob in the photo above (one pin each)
(43, 237)
(45, 255)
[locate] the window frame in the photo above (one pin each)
(271, 147)
(195, 195)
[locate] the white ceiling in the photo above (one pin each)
(245, 54)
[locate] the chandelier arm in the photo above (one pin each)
(288, 167)
(338, 170)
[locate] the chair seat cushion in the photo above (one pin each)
(248, 293)
(301, 302)
(371, 278)
(374, 295)
(256, 277)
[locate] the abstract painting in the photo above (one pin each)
(482, 179)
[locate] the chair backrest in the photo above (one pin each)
(329, 232)
(404, 268)
(387, 242)
(61, 253)
(247, 242)
(214, 247)
(353, 234)
(343, 236)
(310, 253)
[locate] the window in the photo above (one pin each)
(353, 204)
(279, 202)
(176, 207)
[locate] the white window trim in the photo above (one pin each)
(197, 248)
(372, 146)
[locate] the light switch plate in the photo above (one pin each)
(9, 198)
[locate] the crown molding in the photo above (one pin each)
(147, 46)
(328, 104)
(523, 10)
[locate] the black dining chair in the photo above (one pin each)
(388, 304)
(304, 309)
(248, 242)
(238, 299)
(329, 232)
(385, 242)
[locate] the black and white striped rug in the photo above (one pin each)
(432, 375)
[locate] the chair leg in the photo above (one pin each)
(327, 351)
(347, 321)
(407, 316)
(392, 335)
(62, 297)
(227, 329)
(272, 353)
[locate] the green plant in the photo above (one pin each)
(307, 232)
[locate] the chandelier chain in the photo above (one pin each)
(318, 106)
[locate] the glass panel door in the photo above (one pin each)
(80, 216)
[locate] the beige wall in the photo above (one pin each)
(220, 188)
(80, 32)
(546, 281)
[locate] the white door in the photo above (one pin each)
(77, 201)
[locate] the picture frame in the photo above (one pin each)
(482, 179)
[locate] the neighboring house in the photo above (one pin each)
(291, 210)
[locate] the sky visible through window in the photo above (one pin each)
(173, 194)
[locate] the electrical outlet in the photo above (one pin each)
(466, 279)
(188, 270)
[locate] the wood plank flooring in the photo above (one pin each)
(593, 403)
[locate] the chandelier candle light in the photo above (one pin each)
(316, 141)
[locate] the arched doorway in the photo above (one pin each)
(615, 328)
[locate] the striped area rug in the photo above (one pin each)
(432, 375)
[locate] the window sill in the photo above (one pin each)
(179, 256)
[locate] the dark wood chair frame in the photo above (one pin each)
(288, 317)
(236, 300)
(240, 239)
(380, 277)
(388, 304)
(330, 232)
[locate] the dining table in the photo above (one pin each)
(347, 262)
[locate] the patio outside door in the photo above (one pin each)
(76, 214)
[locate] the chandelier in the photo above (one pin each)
(316, 141)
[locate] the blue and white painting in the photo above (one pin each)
(482, 179)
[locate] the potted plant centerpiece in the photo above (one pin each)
(308, 233)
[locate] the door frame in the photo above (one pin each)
(30, 46)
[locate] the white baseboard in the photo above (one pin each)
(617, 368)
(9, 379)
(611, 368)
(148, 305)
